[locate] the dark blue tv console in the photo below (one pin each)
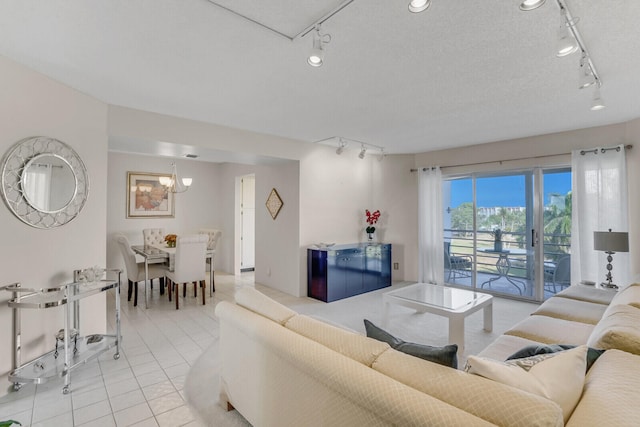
(343, 271)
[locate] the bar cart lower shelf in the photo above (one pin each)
(48, 366)
(56, 363)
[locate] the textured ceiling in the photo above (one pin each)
(463, 72)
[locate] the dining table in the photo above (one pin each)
(155, 253)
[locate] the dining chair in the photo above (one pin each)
(135, 270)
(153, 236)
(212, 244)
(189, 266)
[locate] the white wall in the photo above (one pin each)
(335, 191)
(32, 105)
(555, 144)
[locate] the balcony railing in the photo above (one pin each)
(521, 262)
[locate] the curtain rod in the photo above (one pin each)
(583, 152)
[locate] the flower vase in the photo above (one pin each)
(370, 237)
(497, 246)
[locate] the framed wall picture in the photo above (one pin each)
(147, 198)
(274, 203)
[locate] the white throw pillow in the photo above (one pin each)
(556, 376)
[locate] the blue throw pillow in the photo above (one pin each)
(446, 355)
(532, 350)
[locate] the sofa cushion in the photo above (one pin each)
(588, 293)
(258, 302)
(610, 395)
(495, 402)
(628, 295)
(549, 330)
(572, 309)
(446, 355)
(618, 329)
(533, 350)
(556, 376)
(355, 346)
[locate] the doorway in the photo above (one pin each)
(246, 219)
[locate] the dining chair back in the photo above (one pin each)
(214, 240)
(153, 236)
(189, 265)
(214, 237)
(135, 270)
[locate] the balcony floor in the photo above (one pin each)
(500, 285)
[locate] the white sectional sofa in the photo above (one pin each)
(280, 368)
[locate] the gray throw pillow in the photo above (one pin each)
(446, 355)
(533, 350)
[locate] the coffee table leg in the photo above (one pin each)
(456, 332)
(488, 318)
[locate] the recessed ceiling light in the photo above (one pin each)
(416, 6)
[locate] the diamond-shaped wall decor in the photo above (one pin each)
(274, 203)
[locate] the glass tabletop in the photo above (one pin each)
(439, 296)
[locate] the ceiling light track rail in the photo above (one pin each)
(300, 34)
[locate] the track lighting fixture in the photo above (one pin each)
(597, 103)
(416, 6)
(531, 4)
(569, 41)
(316, 57)
(341, 143)
(586, 78)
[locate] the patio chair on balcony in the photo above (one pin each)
(456, 266)
(559, 277)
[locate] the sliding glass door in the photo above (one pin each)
(505, 234)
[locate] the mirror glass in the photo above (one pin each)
(48, 183)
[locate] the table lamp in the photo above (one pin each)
(610, 242)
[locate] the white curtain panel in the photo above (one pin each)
(599, 203)
(430, 223)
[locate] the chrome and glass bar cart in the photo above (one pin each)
(75, 351)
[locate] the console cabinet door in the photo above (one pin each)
(348, 271)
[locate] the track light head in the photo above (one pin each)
(363, 151)
(597, 103)
(341, 146)
(567, 44)
(528, 5)
(417, 6)
(585, 75)
(316, 56)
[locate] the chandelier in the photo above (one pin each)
(173, 184)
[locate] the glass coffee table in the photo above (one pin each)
(452, 303)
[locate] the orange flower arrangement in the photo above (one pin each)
(171, 240)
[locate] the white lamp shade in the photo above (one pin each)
(187, 181)
(611, 241)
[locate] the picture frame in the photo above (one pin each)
(274, 203)
(147, 198)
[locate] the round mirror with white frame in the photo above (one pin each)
(44, 182)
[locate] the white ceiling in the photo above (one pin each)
(463, 72)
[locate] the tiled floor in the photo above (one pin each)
(145, 386)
